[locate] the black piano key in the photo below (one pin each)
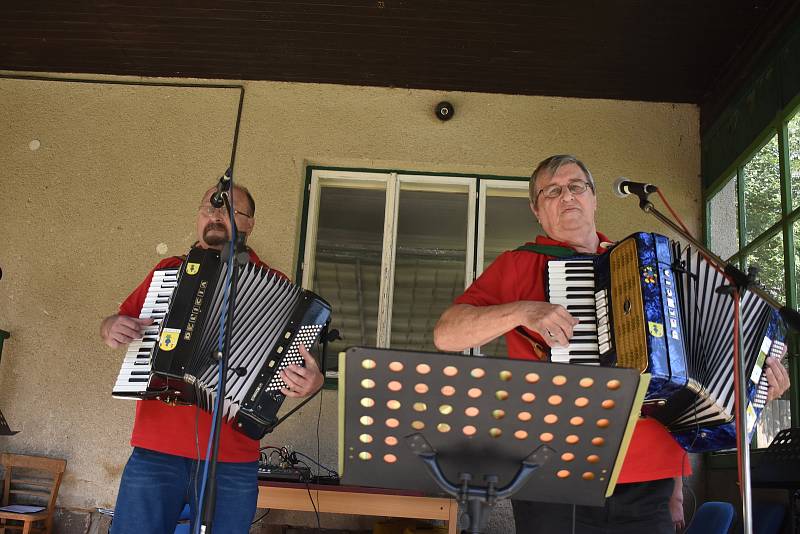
(583, 353)
(584, 333)
(575, 340)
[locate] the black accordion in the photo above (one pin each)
(653, 305)
(175, 360)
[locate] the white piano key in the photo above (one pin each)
(564, 285)
(577, 345)
(555, 265)
(577, 302)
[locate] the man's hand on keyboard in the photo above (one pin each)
(119, 330)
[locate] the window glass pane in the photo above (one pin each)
(348, 262)
(776, 416)
(509, 224)
(430, 261)
(762, 194)
(723, 220)
(794, 158)
(769, 260)
(796, 232)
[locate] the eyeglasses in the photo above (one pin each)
(208, 209)
(554, 191)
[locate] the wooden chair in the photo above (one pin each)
(30, 480)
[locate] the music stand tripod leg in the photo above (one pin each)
(478, 500)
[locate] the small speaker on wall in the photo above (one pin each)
(444, 111)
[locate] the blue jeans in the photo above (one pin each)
(155, 486)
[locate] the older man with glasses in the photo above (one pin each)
(509, 299)
(170, 442)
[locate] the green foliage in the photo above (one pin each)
(761, 178)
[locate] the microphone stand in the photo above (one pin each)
(240, 256)
(741, 282)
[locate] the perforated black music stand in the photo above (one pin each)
(482, 429)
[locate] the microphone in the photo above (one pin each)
(223, 186)
(623, 187)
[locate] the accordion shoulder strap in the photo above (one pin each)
(548, 250)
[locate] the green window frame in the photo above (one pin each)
(785, 224)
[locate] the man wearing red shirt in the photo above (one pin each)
(163, 472)
(509, 299)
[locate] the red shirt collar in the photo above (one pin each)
(605, 242)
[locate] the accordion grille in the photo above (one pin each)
(627, 307)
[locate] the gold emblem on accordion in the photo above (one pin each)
(169, 338)
(192, 268)
(656, 329)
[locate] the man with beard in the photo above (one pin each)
(165, 468)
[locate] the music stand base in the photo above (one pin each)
(478, 500)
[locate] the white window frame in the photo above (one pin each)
(391, 183)
(511, 186)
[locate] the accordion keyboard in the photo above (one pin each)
(134, 374)
(571, 283)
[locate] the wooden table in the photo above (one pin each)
(357, 501)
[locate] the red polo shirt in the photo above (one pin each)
(520, 275)
(171, 429)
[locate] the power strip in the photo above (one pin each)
(299, 473)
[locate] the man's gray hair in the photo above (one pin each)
(551, 165)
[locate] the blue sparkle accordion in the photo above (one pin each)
(175, 359)
(652, 304)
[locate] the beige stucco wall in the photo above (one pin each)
(119, 173)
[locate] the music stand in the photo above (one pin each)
(5, 430)
(779, 467)
(482, 429)
(3, 336)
